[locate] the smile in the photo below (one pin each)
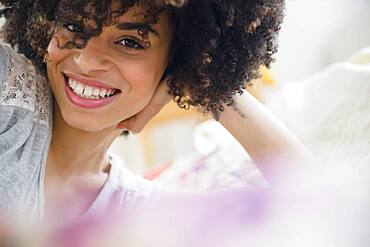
(88, 93)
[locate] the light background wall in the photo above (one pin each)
(319, 32)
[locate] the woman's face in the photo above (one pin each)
(113, 77)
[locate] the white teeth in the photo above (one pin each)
(72, 83)
(89, 92)
(103, 93)
(96, 92)
(79, 89)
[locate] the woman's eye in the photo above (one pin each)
(131, 44)
(74, 27)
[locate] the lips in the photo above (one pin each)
(81, 100)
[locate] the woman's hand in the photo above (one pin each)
(137, 122)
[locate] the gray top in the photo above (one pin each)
(25, 134)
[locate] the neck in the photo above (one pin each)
(75, 152)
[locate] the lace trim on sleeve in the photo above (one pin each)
(24, 87)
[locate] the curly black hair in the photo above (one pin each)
(218, 45)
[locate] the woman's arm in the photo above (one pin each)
(276, 151)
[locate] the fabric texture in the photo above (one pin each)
(122, 189)
(25, 131)
(25, 134)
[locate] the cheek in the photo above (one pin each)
(143, 86)
(144, 76)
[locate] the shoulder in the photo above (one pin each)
(22, 86)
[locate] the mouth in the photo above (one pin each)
(88, 93)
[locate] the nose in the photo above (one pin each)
(93, 57)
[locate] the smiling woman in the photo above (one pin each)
(114, 75)
(77, 73)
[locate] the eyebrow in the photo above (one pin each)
(137, 26)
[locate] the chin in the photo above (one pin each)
(83, 123)
(84, 126)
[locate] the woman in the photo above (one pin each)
(111, 66)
